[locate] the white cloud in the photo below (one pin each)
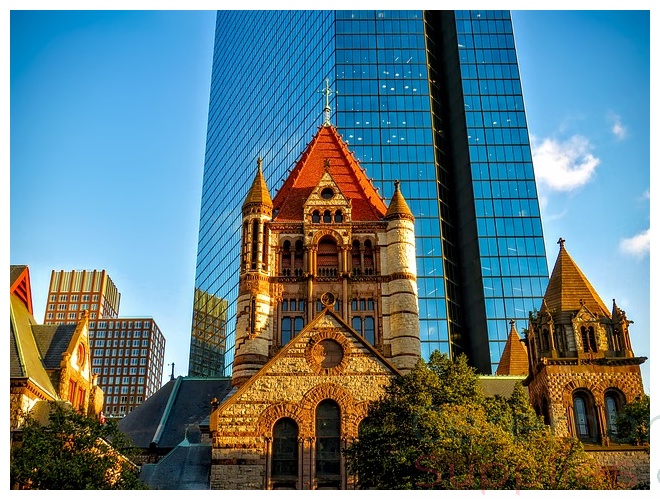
(619, 131)
(639, 245)
(564, 166)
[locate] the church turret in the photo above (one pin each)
(582, 367)
(253, 328)
(400, 307)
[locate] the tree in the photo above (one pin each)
(434, 428)
(72, 451)
(633, 424)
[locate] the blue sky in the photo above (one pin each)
(108, 124)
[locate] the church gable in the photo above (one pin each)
(327, 350)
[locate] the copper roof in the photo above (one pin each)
(568, 288)
(366, 203)
(258, 193)
(398, 205)
(514, 357)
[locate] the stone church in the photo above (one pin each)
(327, 314)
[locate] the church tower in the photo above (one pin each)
(582, 366)
(253, 324)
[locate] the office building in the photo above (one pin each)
(127, 354)
(432, 99)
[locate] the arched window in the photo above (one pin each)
(264, 250)
(585, 420)
(328, 433)
(285, 450)
(613, 405)
(286, 258)
(338, 216)
(327, 217)
(588, 339)
(255, 243)
(327, 257)
(316, 217)
(368, 258)
(298, 259)
(355, 258)
(246, 247)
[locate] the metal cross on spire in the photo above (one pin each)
(326, 110)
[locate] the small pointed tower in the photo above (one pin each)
(253, 328)
(514, 360)
(400, 306)
(582, 367)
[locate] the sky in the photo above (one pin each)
(107, 127)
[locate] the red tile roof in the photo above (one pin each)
(367, 205)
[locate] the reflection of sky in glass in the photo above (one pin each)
(376, 62)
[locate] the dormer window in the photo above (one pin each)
(327, 193)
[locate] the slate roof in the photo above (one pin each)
(180, 405)
(514, 357)
(367, 205)
(502, 385)
(186, 467)
(52, 341)
(568, 286)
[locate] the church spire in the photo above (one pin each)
(398, 206)
(258, 193)
(514, 357)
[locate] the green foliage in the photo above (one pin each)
(435, 429)
(633, 422)
(72, 452)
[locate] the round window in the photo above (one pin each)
(327, 193)
(328, 353)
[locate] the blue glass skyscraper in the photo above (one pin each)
(430, 98)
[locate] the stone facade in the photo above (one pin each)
(292, 384)
(582, 369)
(327, 314)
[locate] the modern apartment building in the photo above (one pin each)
(432, 99)
(127, 353)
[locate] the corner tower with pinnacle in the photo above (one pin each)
(253, 317)
(582, 369)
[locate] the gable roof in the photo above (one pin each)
(25, 360)
(568, 287)
(325, 313)
(19, 285)
(180, 405)
(514, 357)
(367, 205)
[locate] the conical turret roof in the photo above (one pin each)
(569, 289)
(398, 205)
(258, 193)
(514, 357)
